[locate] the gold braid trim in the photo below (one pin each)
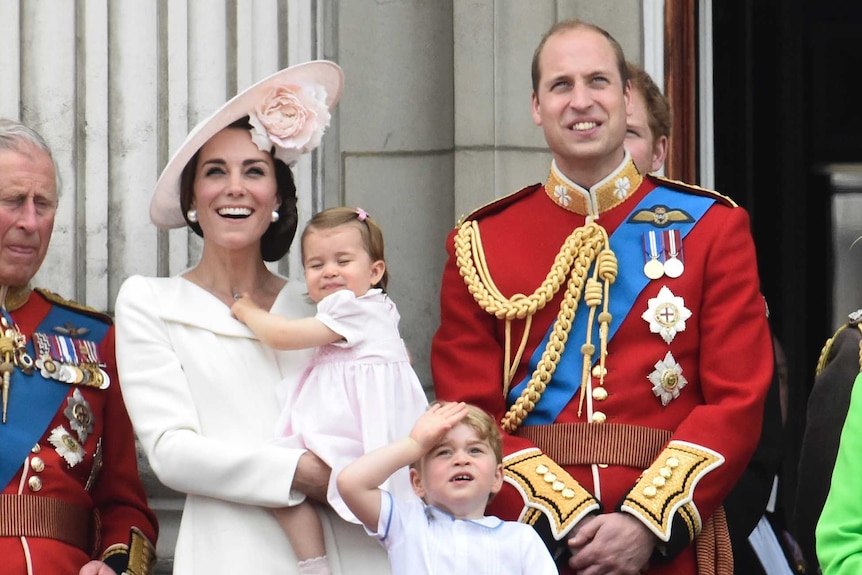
(549, 489)
(823, 360)
(826, 351)
(666, 488)
(585, 245)
(142, 554)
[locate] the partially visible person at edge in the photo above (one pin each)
(649, 123)
(201, 388)
(630, 379)
(839, 364)
(753, 503)
(72, 501)
(838, 533)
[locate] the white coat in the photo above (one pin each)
(201, 392)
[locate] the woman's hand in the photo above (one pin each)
(312, 477)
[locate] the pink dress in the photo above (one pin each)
(359, 393)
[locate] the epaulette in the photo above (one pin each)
(691, 188)
(855, 322)
(73, 305)
(497, 204)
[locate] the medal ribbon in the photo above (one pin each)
(33, 399)
(627, 243)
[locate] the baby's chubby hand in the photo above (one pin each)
(242, 305)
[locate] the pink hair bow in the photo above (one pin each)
(361, 214)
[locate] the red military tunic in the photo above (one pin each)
(696, 446)
(74, 494)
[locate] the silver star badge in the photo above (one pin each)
(666, 314)
(66, 446)
(667, 379)
(80, 415)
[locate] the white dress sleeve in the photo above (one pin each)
(346, 315)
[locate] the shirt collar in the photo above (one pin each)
(489, 521)
(603, 196)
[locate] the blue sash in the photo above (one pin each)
(35, 400)
(627, 243)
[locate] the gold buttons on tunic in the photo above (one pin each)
(556, 485)
(34, 483)
(36, 448)
(599, 417)
(599, 371)
(600, 393)
(37, 465)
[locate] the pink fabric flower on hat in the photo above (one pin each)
(291, 117)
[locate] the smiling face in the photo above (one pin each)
(234, 191)
(336, 259)
(459, 474)
(28, 203)
(581, 104)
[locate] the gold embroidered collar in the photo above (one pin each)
(11, 298)
(605, 195)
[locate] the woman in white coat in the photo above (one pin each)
(200, 388)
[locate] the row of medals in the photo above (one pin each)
(70, 371)
(81, 373)
(658, 243)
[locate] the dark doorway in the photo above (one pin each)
(783, 75)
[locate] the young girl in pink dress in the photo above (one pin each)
(360, 392)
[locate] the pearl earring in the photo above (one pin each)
(275, 216)
(192, 215)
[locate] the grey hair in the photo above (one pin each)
(18, 137)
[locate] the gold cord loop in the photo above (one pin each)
(584, 246)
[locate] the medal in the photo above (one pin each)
(666, 314)
(80, 415)
(653, 268)
(667, 379)
(673, 266)
(70, 360)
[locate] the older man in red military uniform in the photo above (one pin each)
(614, 324)
(72, 502)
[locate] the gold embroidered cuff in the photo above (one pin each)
(142, 554)
(667, 488)
(547, 487)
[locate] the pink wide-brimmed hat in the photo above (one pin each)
(288, 111)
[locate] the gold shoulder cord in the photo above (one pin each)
(585, 245)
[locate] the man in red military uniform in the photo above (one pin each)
(71, 501)
(613, 323)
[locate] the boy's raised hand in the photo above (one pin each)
(435, 422)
